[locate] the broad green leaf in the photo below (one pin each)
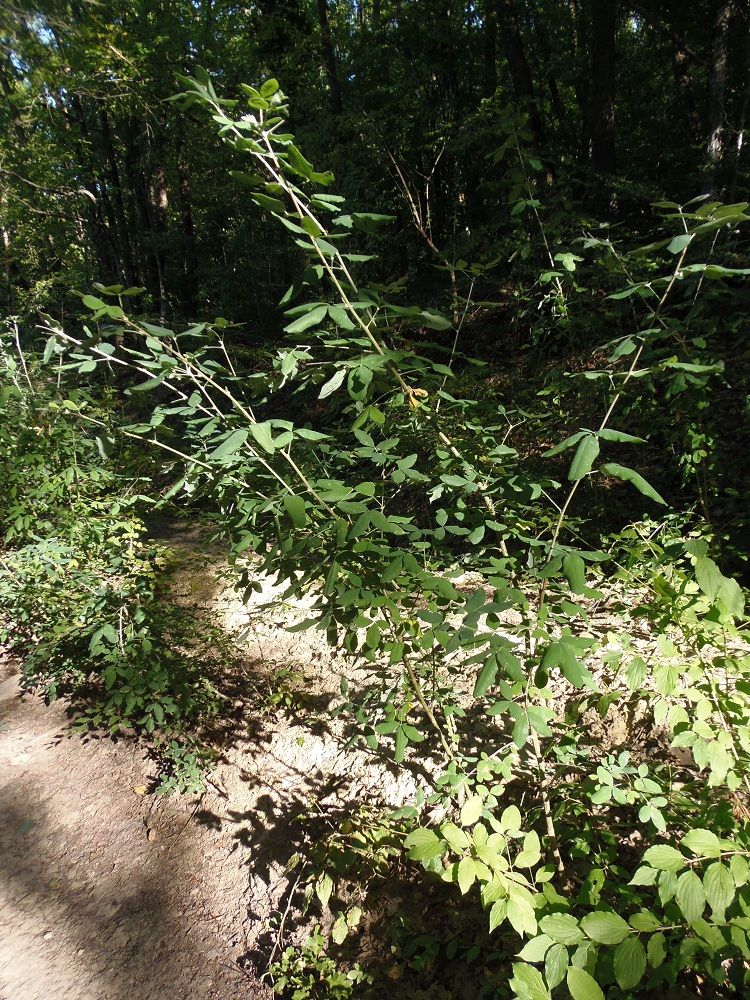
(679, 243)
(574, 569)
(262, 434)
(313, 317)
(467, 874)
(709, 576)
(528, 982)
(520, 913)
(607, 434)
(605, 928)
(582, 986)
(631, 476)
(275, 205)
(702, 843)
(510, 819)
(295, 508)
(564, 445)
(584, 458)
(455, 836)
(630, 963)
(498, 912)
(231, 444)
(471, 810)
(657, 950)
(423, 844)
(323, 889)
(556, 963)
(332, 384)
(665, 858)
(562, 928)
(718, 885)
(690, 896)
(536, 949)
(486, 677)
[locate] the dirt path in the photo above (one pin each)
(107, 893)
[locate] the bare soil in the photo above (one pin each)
(111, 892)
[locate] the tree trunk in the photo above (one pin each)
(190, 256)
(160, 202)
(717, 85)
(604, 26)
(121, 220)
(680, 63)
(489, 47)
(329, 58)
(523, 85)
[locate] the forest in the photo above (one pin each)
(374, 467)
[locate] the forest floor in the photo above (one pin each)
(112, 892)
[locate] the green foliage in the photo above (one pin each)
(428, 550)
(308, 973)
(79, 595)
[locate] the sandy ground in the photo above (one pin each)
(107, 893)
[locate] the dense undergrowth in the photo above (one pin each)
(370, 463)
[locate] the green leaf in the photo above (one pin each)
(665, 858)
(657, 950)
(574, 569)
(582, 986)
(631, 476)
(562, 928)
(423, 844)
(275, 205)
(467, 874)
(528, 983)
(332, 384)
(230, 445)
(630, 963)
(536, 949)
(679, 243)
(690, 896)
(607, 434)
(555, 965)
(323, 889)
(564, 445)
(471, 810)
(262, 434)
(486, 677)
(295, 508)
(92, 302)
(702, 843)
(434, 321)
(708, 576)
(718, 885)
(561, 654)
(311, 318)
(584, 458)
(510, 819)
(455, 836)
(605, 928)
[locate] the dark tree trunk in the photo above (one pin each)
(329, 58)
(190, 256)
(603, 29)
(160, 204)
(545, 51)
(489, 47)
(138, 189)
(523, 85)
(680, 66)
(121, 220)
(717, 85)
